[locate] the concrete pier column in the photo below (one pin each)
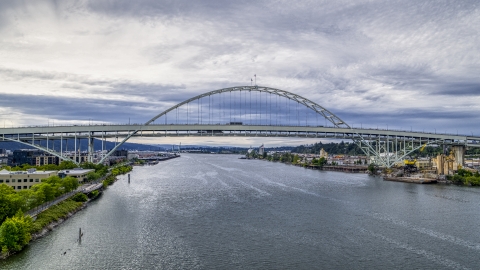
(90, 147)
(459, 152)
(440, 160)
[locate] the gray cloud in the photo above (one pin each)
(79, 109)
(395, 62)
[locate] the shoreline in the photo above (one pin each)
(329, 168)
(47, 229)
(52, 225)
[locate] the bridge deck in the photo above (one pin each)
(111, 131)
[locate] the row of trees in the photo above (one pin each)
(116, 171)
(50, 188)
(464, 177)
(332, 148)
(100, 170)
(295, 159)
(15, 229)
(12, 201)
(64, 165)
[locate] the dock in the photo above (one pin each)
(349, 169)
(411, 180)
(156, 159)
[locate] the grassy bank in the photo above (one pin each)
(54, 213)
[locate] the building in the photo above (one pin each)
(3, 156)
(24, 179)
(323, 154)
(79, 173)
(31, 157)
(120, 153)
(45, 160)
(26, 156)
(261, 150)
(446, 165)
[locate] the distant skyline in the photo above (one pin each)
(396, 64)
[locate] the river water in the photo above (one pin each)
(221, 212)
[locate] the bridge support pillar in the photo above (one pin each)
(459, 152)
(90, 147)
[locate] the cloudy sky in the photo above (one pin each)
(405, 64)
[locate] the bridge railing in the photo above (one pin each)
(225, 124)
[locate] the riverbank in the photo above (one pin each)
(47, 221)
(333, 168)
(55, 215)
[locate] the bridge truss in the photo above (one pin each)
(248, 111)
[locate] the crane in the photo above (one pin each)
(411, 164)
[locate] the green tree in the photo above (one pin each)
(69, 183)
(10, 202)
(15, 232)
(371, 168)
(31, 198)
(319, 162)
(295, 159)
(47, 190)
(67, 165)
(80, 197)
(92, 176)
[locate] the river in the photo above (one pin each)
(221, 212)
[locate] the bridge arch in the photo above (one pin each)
(318, 109)
(334, 119)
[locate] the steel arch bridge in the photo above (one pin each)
(188, 118)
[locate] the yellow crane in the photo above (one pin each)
(410, 164)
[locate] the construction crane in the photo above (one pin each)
(410, 165)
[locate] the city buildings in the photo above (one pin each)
(24, 179)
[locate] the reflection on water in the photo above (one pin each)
(219, 212)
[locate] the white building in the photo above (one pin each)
(79, 173)
(261, 150)
(24, 179)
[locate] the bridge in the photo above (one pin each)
(244, 111)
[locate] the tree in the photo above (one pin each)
(371, 168)
(47, 190)
(10, 202)
(295, 160)
(69, 183)
(80, 197)
(31, 198)
(15, 232)
(92, 176)
(67, 165)
(320, 162)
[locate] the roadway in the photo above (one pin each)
(155, 130)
